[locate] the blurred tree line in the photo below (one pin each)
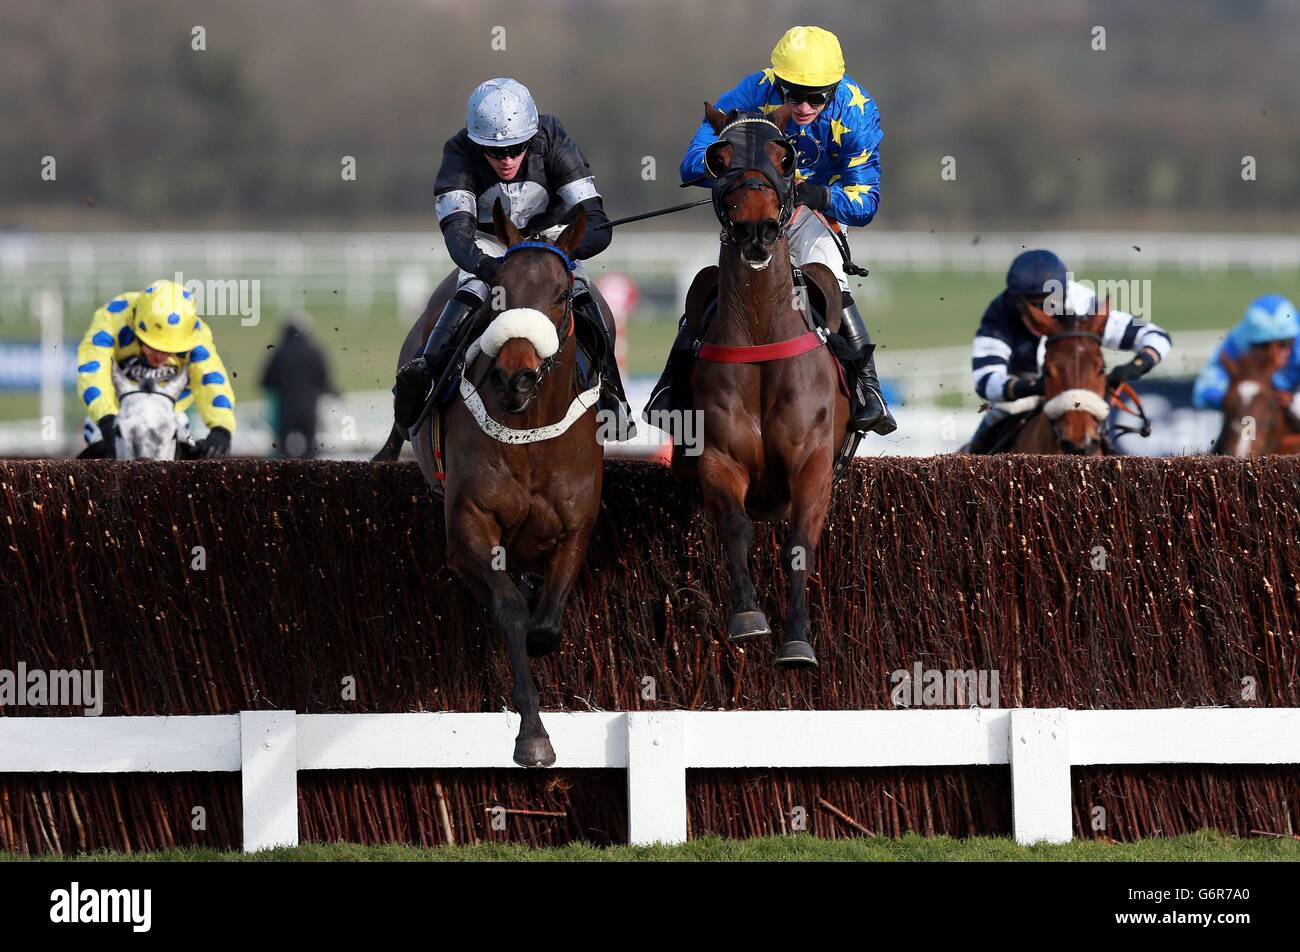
(1046, 131)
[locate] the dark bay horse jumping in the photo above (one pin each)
(773, 412)
(522, 466)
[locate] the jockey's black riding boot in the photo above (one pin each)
(870, 410)
(613, 400)
(986, 432)
(415, 378)
(661, 397)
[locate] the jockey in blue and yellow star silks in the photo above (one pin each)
(835, 129)
(839, 150)
(155, 333)
(1268, 318)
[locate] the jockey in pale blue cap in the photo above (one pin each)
(1268, 318)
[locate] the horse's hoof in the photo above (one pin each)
(542, 641)
(795, 656)
(747, 625)
(534, 752)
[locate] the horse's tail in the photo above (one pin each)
(392, 448)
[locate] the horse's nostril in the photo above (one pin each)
(525, 381)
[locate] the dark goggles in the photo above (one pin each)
(813, 97)
(506, 151)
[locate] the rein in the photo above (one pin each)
(1125, 399)
(147, 393)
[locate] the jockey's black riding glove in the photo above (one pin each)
(816, 197)
(487, 269)
(1127, 373)
(216, 443)
(108, 433)
(1018, 388)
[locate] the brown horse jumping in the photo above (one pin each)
(767, 391)
(1256, 421)
(522, 463)
(1074, 396)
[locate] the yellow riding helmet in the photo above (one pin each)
(166, 318)
(808, 56)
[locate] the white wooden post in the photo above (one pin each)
(1040, 776)
(656, 777)
(49, 309)
(268, 744)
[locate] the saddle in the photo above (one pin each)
(1001, 437)
(814, 317)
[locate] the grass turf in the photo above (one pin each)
(1197, 847)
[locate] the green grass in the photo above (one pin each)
(904, 309)
(1203, 846)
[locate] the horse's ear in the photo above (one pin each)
(781, 115)
(1039, 321)
(714, 117)
(571, 237)
(506, 231)
(1101, 314)
(1228, 363)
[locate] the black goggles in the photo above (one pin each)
(506, 151)
(813, 97)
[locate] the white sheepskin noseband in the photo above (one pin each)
(1069, 400)
(523, 322)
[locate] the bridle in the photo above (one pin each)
(577, 408)
(1067, 335)
(565, 330)
(1123, 398)
(748, 135)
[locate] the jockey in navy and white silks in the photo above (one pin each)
(1268, 318)
(508, 151)
(836, 131)
(1006, 356)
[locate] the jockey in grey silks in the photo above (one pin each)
(507, 151)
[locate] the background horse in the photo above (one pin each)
(772, 426)
(148, 426)
(516, 507)
(1255, 417)
(1074, 375)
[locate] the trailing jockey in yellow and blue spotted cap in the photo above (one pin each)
(155, 334)
(835, 128)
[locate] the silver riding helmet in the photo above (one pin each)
(501, 112)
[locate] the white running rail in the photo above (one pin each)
(268, 748)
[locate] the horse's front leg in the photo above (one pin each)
(724, 483)
(810, 493)
(472, 537)
(546, 626)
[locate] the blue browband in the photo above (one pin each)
(543, 246)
